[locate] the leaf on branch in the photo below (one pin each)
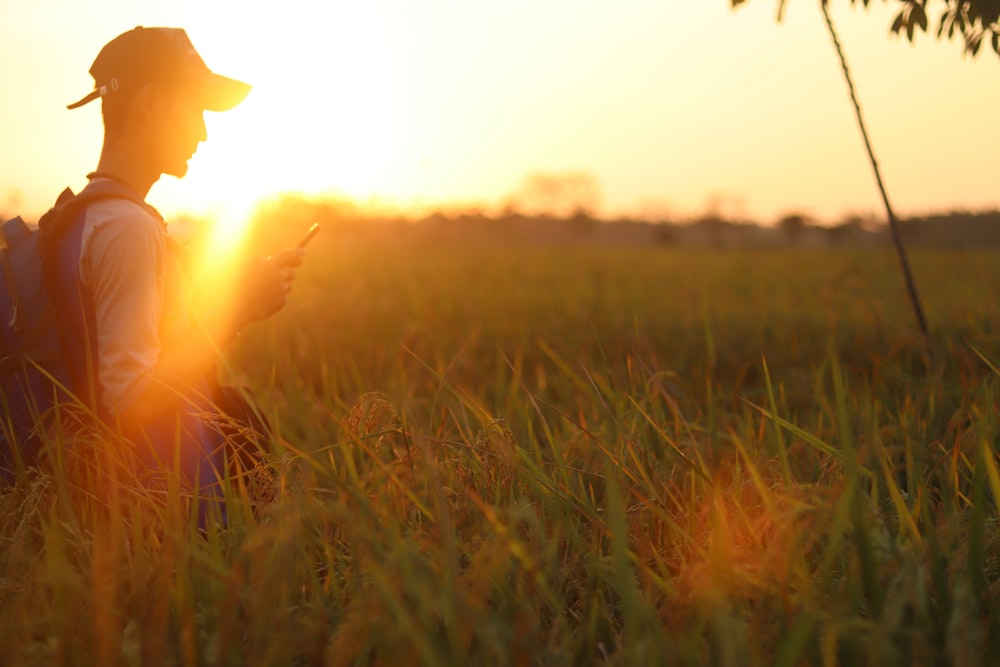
(897, 24)
(973, 42)
(944, 18)
(920, 16)
(972, 20)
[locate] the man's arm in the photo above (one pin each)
(139, 377)
(262, 291)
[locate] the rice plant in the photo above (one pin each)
(557, 456)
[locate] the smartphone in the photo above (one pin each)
(308, 237)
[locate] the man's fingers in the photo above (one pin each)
(268, 282)
(290, 258)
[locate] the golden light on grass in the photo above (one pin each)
(739, 545)
(611, 517)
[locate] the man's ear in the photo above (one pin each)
(147, 103)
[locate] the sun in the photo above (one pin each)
(296, 131)
(331, 126)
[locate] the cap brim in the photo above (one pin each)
(220, 93)
(86, 99)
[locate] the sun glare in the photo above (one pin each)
(332, 125)
(338, 132)
(295, 132)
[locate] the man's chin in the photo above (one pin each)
(178, 170)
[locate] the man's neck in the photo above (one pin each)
(127, 169)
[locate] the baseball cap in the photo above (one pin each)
(160, 55)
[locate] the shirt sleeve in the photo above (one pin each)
(122, 263)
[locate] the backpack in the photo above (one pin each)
(34, 374)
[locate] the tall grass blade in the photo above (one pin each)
(779, 438)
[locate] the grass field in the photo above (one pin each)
(564, 456)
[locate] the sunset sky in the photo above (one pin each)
(670, 104)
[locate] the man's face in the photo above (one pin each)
(178, 127)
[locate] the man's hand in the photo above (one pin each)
(261, 290)
(264, 286)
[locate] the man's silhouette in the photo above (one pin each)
(145, 361)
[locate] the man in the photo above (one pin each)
(136, 354)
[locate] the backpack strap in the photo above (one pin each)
(57, 230)
(49, 223)
(53, 225)
(104, 186)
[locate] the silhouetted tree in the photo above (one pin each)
(974, 20)
(792, 226)
(559, 195)
(914, 14)
(666, 234)
(715, 227)
(581, 222)
(851, 227)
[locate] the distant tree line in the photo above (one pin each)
(576, 225)
(571, 222)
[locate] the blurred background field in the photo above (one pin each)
(404, 318)
(536, 453)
